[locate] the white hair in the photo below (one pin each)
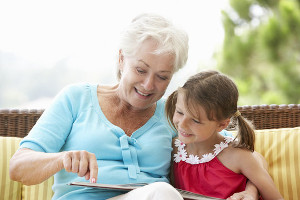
(170, 39)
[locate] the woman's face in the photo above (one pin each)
(145, 76)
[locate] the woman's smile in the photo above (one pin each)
(143, 93)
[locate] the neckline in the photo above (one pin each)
(117, 130)
(182, 155)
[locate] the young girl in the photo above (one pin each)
(206, 162)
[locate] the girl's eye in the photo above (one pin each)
(180, 113)
(196, 121)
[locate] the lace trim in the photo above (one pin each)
(181, 154)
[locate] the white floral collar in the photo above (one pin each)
(181, 154)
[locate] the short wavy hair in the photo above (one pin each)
(170, 38)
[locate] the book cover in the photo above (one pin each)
(131, 186)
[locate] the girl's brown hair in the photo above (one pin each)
(218, 95)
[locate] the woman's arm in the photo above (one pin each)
(171, 166)
(32, 167)
(250, 193)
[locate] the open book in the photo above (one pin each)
(128, 187)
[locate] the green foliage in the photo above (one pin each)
(272, 37)
(242, 8)
(262, 52)
(269, 3)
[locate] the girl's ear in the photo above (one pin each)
(223, 124)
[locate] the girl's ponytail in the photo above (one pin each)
(246, 135)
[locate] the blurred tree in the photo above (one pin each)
(261, 50)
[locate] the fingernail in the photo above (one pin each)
(93, 180)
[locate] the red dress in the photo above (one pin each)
(207, 176)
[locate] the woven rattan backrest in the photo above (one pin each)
(18, 123)
(270, 116)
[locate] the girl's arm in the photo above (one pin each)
(251, 192)
(256, 171)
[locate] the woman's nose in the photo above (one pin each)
(148, 83)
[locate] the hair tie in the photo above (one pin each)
(237, 113)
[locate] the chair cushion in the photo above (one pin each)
(280, 147)
(40, 191)
(11, 189)
(8, 189)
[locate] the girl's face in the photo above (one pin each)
(191, 129)
(145, 76)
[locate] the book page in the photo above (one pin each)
(131, 186)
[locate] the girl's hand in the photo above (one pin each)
(81, 162)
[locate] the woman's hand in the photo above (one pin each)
(242, 196)
(83, 163)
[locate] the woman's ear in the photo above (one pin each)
(223, 124)
(121, 57)
(120, 64)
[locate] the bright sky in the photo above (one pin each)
(86, 32)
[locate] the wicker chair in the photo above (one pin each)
(17, 123)
(270, 116)
(278, 143)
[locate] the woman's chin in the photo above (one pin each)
(138, 105)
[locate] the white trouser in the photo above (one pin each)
(153, 191)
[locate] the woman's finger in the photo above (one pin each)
(75, 161)
(93, 168)
(84, 162)
(67, 161)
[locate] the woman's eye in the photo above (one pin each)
(140, 71)
(163, 78)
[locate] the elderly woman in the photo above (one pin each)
(110, 134)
